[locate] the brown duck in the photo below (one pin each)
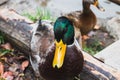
(85, 20)
(56, 55)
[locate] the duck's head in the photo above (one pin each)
(86, 4)
(64, 35)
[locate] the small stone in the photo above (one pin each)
(113, 27)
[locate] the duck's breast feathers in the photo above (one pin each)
(72, 66)
(74, 59)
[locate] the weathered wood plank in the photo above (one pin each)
(18, 31)
(98, 70)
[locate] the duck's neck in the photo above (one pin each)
(86, 7)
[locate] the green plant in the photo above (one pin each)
(94, 47)
(40, 13)
(2, 78)
(1, 38)
(4, 52)
(90, 50)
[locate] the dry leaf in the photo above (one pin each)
(8, 75)
(14, 67)
(85, 37)
(6, 46)
(24, 64)
(97, 27)
(1, 69)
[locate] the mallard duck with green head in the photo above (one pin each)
(85, 20)
(58, 58)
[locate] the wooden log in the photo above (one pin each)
(98, 70)
(17, 30)
(115, 1)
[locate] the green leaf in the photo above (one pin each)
(1, 38)
(4, 52)
(40, 13)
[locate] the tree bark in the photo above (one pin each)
(17, 30)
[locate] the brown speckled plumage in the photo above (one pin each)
(84, 20)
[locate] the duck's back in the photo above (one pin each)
(85, 22)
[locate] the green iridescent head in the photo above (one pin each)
(64, 35)
(63, 29)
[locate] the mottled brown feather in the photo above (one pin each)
(84, 20)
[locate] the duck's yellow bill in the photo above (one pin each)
(98, 6)
(59, 54)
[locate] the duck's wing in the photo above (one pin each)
(74, 16)
(41, 41)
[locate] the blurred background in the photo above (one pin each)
(107, 21)
(58, 7)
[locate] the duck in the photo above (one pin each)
(84, 21)
(55, 52)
